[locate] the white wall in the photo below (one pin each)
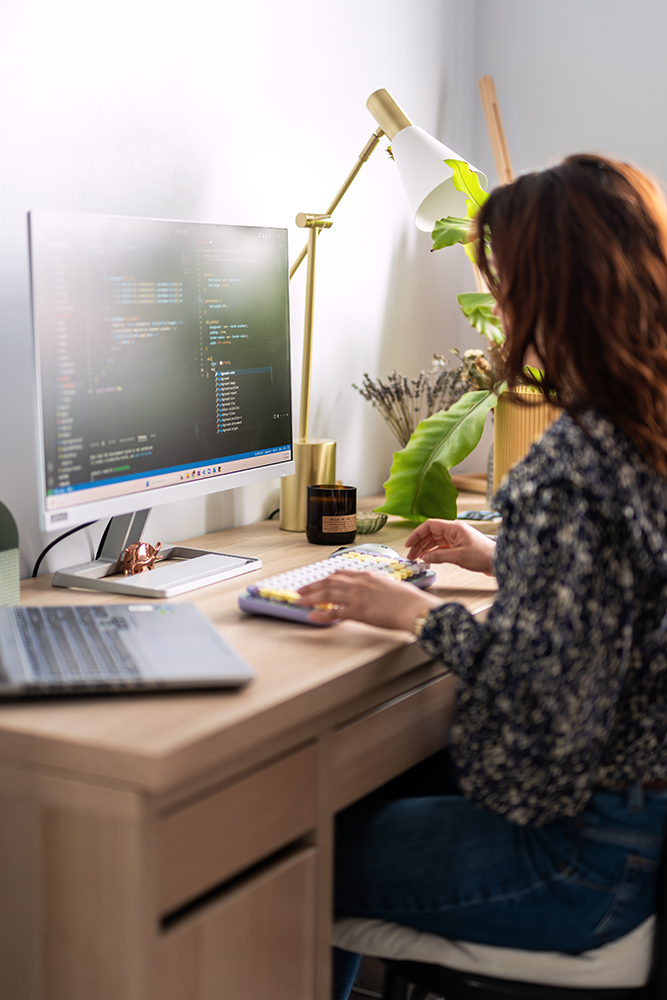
(576, 76)
(573, 76)
(250, 112)
(238, 113)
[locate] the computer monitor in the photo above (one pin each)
(162, 361)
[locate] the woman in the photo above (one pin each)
(546, 836)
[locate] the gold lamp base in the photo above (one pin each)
(315, 463)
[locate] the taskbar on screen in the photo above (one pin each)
(122, 486)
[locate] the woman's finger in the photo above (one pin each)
(336, 588)
(327, 617)
(442, 554)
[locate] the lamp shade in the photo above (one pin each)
(426, 177)
(420, 160)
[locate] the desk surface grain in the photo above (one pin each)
(156, 742)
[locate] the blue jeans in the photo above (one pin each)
(418, 853)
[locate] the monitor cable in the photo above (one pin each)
(66, 534)
(103, 538)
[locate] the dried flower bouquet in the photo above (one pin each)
(404, 402)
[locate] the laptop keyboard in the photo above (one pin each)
(75, 645)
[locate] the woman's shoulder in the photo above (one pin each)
(568, 452)
(586, 450)
(587, 454)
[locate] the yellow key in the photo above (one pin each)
(289, 596)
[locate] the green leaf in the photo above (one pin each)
(451, 230)
(467, 181)
(419, 484)
(477, 307)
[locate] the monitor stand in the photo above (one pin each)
(191, 568)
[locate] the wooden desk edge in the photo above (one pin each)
(374, 665)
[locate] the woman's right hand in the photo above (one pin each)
(452, 542)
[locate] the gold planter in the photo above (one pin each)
(516, 425)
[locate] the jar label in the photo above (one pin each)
(339, 524)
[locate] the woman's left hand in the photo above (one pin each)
(367, 597)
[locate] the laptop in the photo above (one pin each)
(113, 648)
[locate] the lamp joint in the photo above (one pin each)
(371, 144)
(305, 221)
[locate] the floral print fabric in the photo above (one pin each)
(564, 687)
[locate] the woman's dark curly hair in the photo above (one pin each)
(576, 257)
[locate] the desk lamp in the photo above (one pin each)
(428, 184)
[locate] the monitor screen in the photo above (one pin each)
(163, 361)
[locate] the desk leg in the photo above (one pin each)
(324, 887)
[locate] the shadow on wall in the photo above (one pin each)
(421, 316)
(244, 505)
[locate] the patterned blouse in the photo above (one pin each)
(564, 687)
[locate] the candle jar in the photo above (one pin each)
(331, 517)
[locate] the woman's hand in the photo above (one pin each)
(452, 542)
(367, 597)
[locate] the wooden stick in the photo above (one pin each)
(501, 156)
(480, 283)
(494, 125)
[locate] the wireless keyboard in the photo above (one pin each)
(277, 595)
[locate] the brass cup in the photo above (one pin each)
(315, 463)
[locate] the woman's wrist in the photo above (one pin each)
(491, 552)
(420, 621)
(417, 608)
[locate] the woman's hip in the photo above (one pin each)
(441, 864)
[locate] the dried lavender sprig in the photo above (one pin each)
(391, 399)
(404, 402)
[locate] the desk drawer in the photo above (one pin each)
(257, 941)
(387, 740)
(216, 837)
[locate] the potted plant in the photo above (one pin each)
(420, 484)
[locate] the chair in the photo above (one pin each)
(637, 963)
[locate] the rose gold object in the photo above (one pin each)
(140, 557)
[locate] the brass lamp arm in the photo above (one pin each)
(363, 156)
(315, 460)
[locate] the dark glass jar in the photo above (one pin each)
(331, 517)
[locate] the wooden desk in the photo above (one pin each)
(179, 847)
